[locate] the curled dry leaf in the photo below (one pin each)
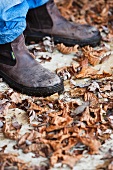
(32, 136)
(55, 136)
(69, 70)
(86, 71)
(12, 157)
(38, 148)
(60, 121)
(23, 139)
(10, 161)
(77, 92)
(92, 143)
(62, 125)
(91, 117)
(67, 50)
(36, 107)
(10, 132)
(92, 55)
(100, 76)
(54, 114)
(92, 98)
(54, 158)
(66, 159)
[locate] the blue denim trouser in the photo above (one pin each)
(13, 17)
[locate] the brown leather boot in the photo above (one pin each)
(47, 20)
(24, 73)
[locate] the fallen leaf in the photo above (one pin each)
(67, 50)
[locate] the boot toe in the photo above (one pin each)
(50, 82)
(89, 36)
(49, 86)
(93, 31)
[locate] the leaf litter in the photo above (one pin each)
(61, 129)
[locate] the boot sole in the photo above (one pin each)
(32, 91)
(94, 41)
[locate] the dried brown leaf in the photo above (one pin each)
(100, 76)
(91, 117)
(10, 160)
(92, 98)
(77, 92)
(93, 144)
(86, 71)
(36, 107)
(67, 50)
(29, 136)
(38, 148)
(92, 55)
(10, 132)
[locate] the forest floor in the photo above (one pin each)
(72, 130)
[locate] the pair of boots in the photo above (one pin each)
(24, 73)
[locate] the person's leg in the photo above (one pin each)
(12, 19)
(36, 3)
(47, 20)
(23, 73)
